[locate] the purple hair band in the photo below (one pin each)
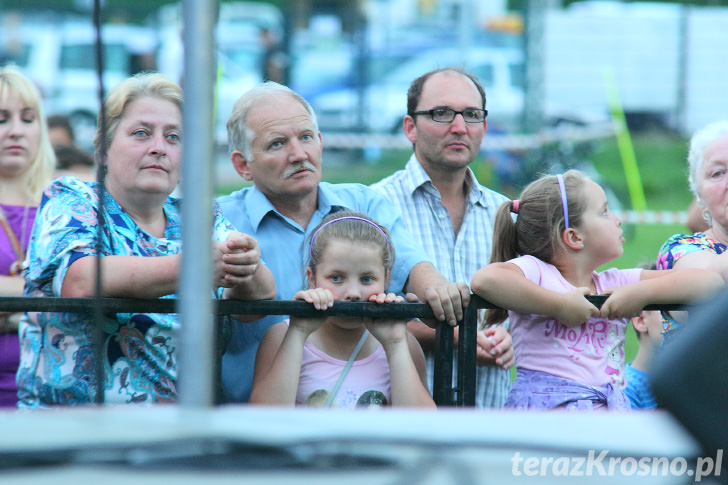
(562, 189)
(310, 246)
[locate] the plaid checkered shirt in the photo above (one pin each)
(456, 257)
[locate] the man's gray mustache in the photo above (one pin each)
(296, 168)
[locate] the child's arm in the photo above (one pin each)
(277, 366)
(704, 259)
(666, 286)
(407, 375)
(280, 354)
(505, 285)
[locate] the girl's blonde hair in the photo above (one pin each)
(13, 82)
(539, 224)
(350, 226)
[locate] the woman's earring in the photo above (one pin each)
(582, 246)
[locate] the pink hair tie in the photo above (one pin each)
(515, 205)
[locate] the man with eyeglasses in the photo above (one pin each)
(445, 207)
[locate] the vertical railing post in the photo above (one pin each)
(442, 380)
(467, 364)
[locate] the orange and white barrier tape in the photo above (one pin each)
(490, 142)
(652, 217)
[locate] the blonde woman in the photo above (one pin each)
(26, 165)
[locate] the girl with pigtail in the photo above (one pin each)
(569, 353)
(343, 362)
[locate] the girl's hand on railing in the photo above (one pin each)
(622, 302)
(321, 299)
(387, 330)
(573, 309)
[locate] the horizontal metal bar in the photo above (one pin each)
(264, 307)
(596, 300)
(233, 307)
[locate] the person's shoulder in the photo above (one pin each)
(349, 190)
(528, 259)
(635, 377)
(496, 196)
(234, 196)
(68, 186)
(531, 264)
(390, 181)
(489, 194)
(681, 238)
(681, 243)
(618, 276)
(176, 203)
(539, 271)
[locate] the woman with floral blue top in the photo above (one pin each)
(140, 241)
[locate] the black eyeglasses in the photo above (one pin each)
(446, 115)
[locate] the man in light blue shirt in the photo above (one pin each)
(275, 143)
(445, 207)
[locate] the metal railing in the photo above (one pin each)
(444, 392)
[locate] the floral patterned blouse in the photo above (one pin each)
(57, 349)
(675, 248)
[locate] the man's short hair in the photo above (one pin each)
(414, 93)
(240, 136)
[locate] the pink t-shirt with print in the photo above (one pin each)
(591, 353)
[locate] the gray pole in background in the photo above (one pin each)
(533, 44)
(680, 121)
(465, 20)
(197, 355)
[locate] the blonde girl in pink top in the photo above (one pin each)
(569, 353)
(343, 362)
